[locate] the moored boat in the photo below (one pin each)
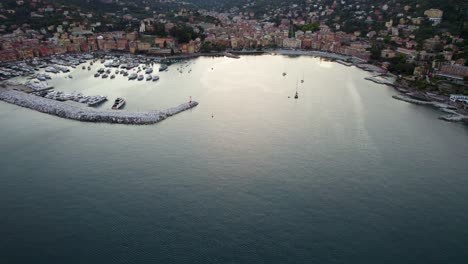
(132, 76)
(163, 67)
(118, 103)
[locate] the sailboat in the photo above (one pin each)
(296, 96)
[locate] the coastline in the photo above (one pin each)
(452, 114)
(75, 111)
(380, 76)
(407, 94)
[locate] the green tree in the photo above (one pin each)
(376, 50)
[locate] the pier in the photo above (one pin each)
(87, 114)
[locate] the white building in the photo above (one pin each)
(292, 43)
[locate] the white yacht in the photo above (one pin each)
(118, 104)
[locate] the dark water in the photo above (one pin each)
(345, 174)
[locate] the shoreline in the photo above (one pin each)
(452, 116)
(74, 111)
(151, 117)
(405, 95)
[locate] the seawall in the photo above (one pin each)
(88, 114)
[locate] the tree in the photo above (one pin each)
(376, 50)
(184, 33)
(309, 27)
(205, 47)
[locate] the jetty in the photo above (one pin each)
(453, 115)
(80, 112)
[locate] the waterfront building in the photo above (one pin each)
(457, 70)
(292, 43)
(164, 42)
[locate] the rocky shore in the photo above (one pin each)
(452, 114)
(75, 111)
(414, 97)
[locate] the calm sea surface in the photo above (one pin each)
(345, 174)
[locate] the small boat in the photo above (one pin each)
(97, 74)
(155, 78)
(132, 76)
(84, 67)
(70, 77)
(118, 103)
(284, 74)
(149, 70)
(89, 68)
(296, 96)
(140, 78)
(105, 76)
(149, 77)
(163, 67)
(112, 76)
(96, 100)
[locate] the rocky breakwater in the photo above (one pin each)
(75, 111)
(453, 115)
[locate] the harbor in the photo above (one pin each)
(81, 78)
(58, 86)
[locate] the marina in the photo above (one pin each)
(45, 97)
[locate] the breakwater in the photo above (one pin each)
(77, 112)
(453, 115)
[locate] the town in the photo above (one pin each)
(425, 46)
